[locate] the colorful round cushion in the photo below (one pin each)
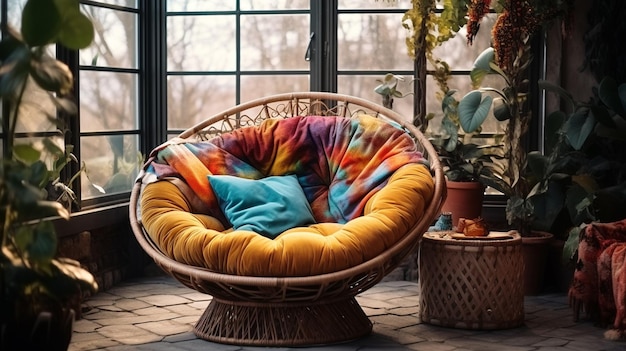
(339, 192)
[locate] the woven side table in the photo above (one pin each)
(472, 284)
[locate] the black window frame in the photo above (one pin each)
(152, 78)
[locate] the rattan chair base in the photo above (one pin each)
(283, 324)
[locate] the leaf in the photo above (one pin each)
(41, 22)
(52, 208)
(448, 103)
(39, 174)
(608, 93)
(26, 153)
(484, 59)
(44, 245)
(51, 75)
(549, 86)
(602, 116)
(578, 127)
(538, 164)
(14, 72)
(577, 200)
(99, 188)
(552, 129)
(496, 69)
(10, 45)
(548, 205)
(571, 244)
(76, 278)
(77, 31)
(618, 132)
(501, 110)
(609, 203)
(473, 110)
(482, 67)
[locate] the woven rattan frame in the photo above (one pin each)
(471, 284)
(295, 311)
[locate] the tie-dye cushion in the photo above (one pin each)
(364, 179)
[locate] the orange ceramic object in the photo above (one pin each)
(472, 227)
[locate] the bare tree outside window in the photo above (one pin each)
(219, 55)
(212, 62)
(108, 101)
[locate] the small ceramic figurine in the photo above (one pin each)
(444, 222)
(472, 227)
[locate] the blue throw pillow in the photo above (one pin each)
(266, 206)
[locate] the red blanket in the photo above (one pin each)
(599, 284)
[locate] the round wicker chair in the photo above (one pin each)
(294, 311)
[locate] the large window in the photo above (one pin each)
(220, 53)
(109, 95)
(157, 67)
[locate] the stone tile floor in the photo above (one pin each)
(158, 313)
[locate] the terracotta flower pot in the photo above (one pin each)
(464, 200)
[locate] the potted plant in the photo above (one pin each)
(388, 89)
(582, 175)
(38, 291)
(469, 163)
(509, 58)
(513, 178)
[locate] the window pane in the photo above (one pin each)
(115, 40)
(253, 87)
(201, 43)
(274, 4)
(14, 13)
(363, 87)
(274, 42)
(108, 101)
(372, 41)
(200, 5)
(191, 99)
(112, 162)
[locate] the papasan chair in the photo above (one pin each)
(283, 209)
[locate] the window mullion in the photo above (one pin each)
(324, 46)
(153, 74)
(72, 123)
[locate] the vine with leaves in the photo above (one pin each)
(428, 28)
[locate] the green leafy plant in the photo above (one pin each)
(388, 89)
(427, 29)
(464, 156)
(516, 23)
(32, 278)
(582, 175)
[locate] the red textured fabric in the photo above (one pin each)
(599, 284)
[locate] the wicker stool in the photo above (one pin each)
(472, 284)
